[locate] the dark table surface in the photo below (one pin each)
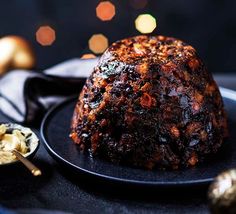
(60, 189)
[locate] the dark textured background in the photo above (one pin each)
(209, 25)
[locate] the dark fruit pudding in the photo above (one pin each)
(150, 102)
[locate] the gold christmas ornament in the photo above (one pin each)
(222, 193)
(15, 53)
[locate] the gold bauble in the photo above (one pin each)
(15, 53)
(222, 193)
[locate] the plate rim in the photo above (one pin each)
(63, 161)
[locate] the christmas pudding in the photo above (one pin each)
(151, 103)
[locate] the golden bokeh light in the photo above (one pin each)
(105, 11)
(15, 53)
(138, 4)
(145, 23)
(98, 43)
(88, 56)
(45, 35)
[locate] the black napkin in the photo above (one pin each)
(25, 96)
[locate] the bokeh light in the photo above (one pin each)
(145, 23)
(138, 4)
(105, 11)
(88, 56)
(98, 43)
(45, 35)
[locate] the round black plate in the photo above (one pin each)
(55, 131)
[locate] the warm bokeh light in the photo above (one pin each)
(98, 43)
(138, 4)
(145, 23)
(45, 35)
(88, 56)
(15, 53)
(105, 11)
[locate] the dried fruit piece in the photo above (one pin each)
(146, 100)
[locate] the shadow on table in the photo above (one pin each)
(16, 180)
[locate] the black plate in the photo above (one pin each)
(55, 131)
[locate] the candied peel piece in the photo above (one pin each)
(146, 100)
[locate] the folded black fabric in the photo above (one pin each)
(25, 96)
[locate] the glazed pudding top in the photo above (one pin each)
(150, 49)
